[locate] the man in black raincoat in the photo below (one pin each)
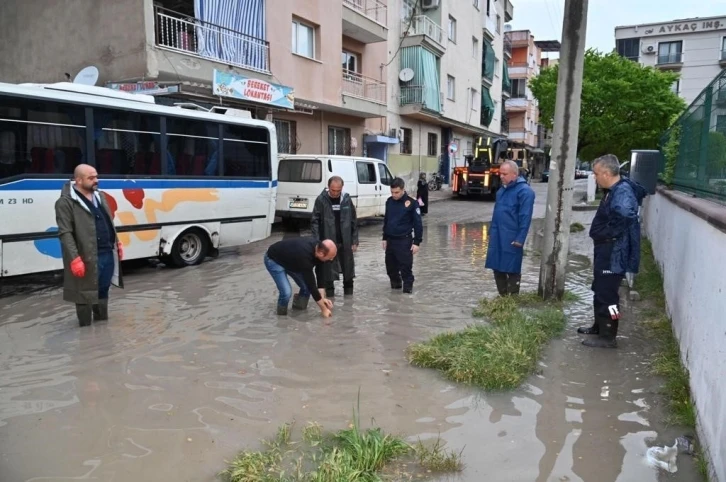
(334, 218)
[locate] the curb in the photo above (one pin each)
(584, 207)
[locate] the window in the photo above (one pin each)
(475, 47)
(472, 99)
(303, 39)
(300, 170)
(519, 88)
(385, 175)
(192, 147)
(349, 61)
(246, 152)
(366, 172)
(499, 23)
(452, 29)
(407, 142)
(286, 136)
(628, 48)
(489, 7)
(670, 52)
(450, 87)
(469, 148)
(128, 143)
(338, 141)
(432, 144)
(40, 137)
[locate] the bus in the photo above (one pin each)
(180, 182)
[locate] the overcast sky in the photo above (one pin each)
(544, 17)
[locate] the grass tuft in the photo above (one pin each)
(576, 228)
(499, 355)
(435, 458)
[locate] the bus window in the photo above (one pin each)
(193, 147)
(126, 142)
(246, 152)
(40, 137)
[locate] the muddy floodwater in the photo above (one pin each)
(194, 365)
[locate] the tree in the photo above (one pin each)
(624, 105)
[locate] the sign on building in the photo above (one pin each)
(228, 84)
(148, 88)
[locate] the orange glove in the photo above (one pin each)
(120, 251)
(78, 268)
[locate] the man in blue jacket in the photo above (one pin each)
(508, 231)
(402, 218)
(615, 233)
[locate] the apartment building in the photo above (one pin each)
(696, 48)
(440, 103)
(313, 67)
(526, 135)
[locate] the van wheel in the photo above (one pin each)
(190, 248)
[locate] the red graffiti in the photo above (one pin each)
(112, 204)
(135, 197)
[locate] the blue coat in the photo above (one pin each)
(510, 222)
(617, 218)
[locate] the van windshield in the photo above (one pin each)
(300, 170)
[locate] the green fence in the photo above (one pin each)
(694, 147)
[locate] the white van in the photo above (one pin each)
(302, 177)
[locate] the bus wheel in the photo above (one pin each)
(190, 248)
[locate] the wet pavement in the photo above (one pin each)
(194, 366)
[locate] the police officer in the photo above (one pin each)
(402, 218)
(615, 233)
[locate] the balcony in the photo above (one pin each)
(365, 21)
(517, 104)
(490, 27)
(507, 48)
(672, 61)
(518, 134)
(364, 95)
(508, 11)
(519, 38)
(420, 102)
(423, 31)
(520, 70)
(193, 37)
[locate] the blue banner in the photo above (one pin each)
(228, 84)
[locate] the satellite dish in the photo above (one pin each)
(87, 76)
(406, 75)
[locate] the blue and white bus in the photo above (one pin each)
(181, 182)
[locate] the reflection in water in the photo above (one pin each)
(194, 365)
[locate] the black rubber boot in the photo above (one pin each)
(501, 280)
(300, 303)
(281, 310)
(593, 330)
(396, 285)
(513, 281)
(100, 311)
(330, 292)
(85, 314)
(347, 288)
(408, 289)
(607, 336)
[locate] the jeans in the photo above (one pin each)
(279, 276)
(105, 273)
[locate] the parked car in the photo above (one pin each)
(302, 177)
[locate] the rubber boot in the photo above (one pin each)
(347, 288)
(85, 314)
(513, 281)
(501, 280)
(330, 292)
(282, 310)
(100, 311)
(396, 284)
(300, 303)
(607, 336)
(408, 289)
(593, 330)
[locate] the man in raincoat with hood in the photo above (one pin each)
(615, 233)
(91, 249)
(508, 231)
(334, 217)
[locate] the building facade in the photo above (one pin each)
(696, 48)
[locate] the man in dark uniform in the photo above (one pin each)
(615, 232)
(402, 217)
(334, 217)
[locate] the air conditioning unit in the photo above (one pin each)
(429, 4)
(649, 49)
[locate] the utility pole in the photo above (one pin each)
(564, 151)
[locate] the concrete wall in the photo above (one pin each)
(312, 130)
(690, 252)
(43, 40)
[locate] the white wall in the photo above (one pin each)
(692, 255)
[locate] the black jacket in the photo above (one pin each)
(403, 217)
(297, 255)
(323, 226)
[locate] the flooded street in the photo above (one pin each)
(194, 366)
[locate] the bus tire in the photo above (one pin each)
(190, 248)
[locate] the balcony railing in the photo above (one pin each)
(507, 46)
(422, 95)
(181, 33)
(491, 26)
(674, 58)
(373, 9)
(356, 85)
(422, 25)
(518, 37)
